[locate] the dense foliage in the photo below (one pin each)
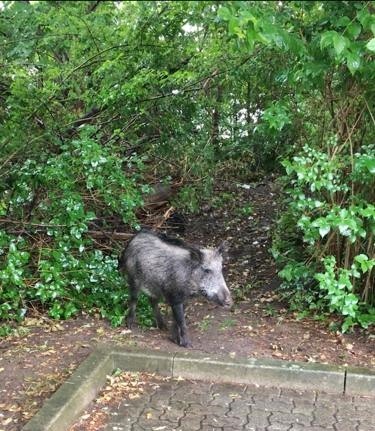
(100, 99)
(327, 90)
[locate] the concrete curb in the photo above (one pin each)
(263, 372)
(65, 406)
(140, 360)
(360, 381)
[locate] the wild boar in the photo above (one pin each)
(167, 268)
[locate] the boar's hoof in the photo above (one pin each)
(130, 322)
(185, 343)
(181, 341)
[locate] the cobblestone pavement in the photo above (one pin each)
(190, 406)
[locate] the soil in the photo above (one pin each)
(43, 353)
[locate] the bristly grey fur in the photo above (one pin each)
(168, 268)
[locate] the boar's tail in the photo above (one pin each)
(121, 261)
(122, 258)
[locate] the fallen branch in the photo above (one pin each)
(122, 236)
(165, 217)
(41, 228)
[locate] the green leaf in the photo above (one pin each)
(225, 13)
(366, 18)
(366, 320)
(353, 62)
(339, 43)
(324, 230)
(371, 45)
(343, 21)
(251, 37)
(344, 229)
(326, 39)
(370, 163)
(366, 263)
(354, 30)
(368, 212)
(348, 323)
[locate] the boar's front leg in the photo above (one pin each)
(179, 334)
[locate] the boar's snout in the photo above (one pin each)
(228, 301)
(223, 298)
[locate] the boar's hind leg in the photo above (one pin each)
(133, 292)
(180, 335)
(158, 317)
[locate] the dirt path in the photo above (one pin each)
(45, 353)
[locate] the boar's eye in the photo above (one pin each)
(206, 270)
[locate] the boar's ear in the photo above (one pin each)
(196, 255)
(223, 248)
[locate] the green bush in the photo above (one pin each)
(323, 56)
(337, 228)
(56, 263)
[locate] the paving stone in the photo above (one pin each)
(210, 428)
(177, 404)
(188, 427)
(364, 403)
(221, 421)
(258, 418)
(238, 408)
(367, 415)
(220, 400)
(200, 410)
(129, 412)
(348, 415)
(237, 423)
(172, 415)
(292, 394)
(252, 427)
(324, 417)
(190, 422)
(162, 396)
(121, 420)
(201, 406)
(263, 391)
(290, 418)
(194, 387)
(303, 406)
(150, 418)
(263, 397)
(345, 425)
(199, 394)
(225, 394)
(135, 404)
(117, 427)
(273, 405)
(297, 427)
(229, 388)
(366, 426)
(277, 426)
